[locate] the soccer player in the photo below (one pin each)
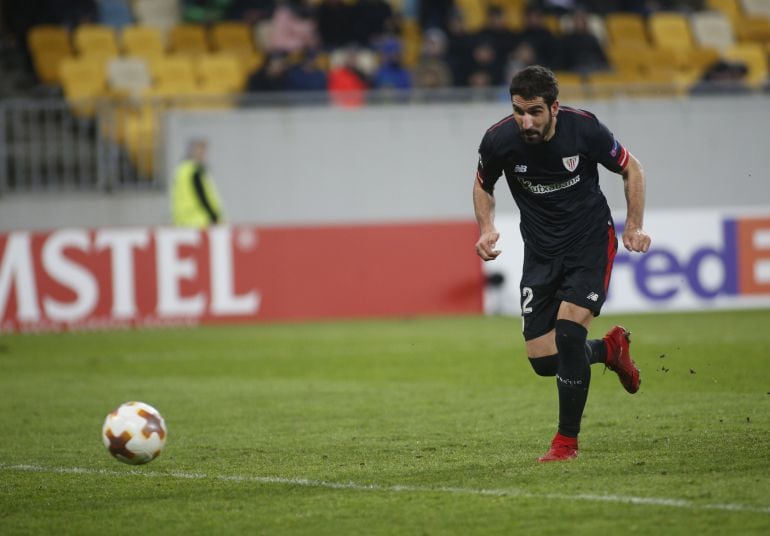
(549, 154)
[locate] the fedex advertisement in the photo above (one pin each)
(699, 260)
(71, 279)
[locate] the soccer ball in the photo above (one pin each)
(134, 433)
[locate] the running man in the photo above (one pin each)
(549, 154)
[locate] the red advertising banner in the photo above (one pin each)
(120, 277)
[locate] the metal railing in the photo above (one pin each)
(51, 145)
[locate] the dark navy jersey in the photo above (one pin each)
(556, 183)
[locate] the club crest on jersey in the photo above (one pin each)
(571, 162)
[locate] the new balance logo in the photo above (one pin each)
(519, 168)
(593, 296)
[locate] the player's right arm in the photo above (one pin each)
(487, 173)
(484, 206)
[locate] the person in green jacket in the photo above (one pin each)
(194, 198)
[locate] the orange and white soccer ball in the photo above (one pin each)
(134, 433)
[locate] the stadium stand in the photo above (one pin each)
(163, 59)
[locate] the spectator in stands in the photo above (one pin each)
(522, 56)
(724, 77)
(271, 76)
(371, 20)
(460, 45)
(335, 20)
(347, 83)
(204, 11)
(435, 14)
(558, 7)
(391, 73)
(306, 75)
(115, 13)
(432, 69)
(540, 38)
(486, 66)
(496, 33)
(581, 50)
(71, 13)
(292, 28)
(251, 11)
(194, 197)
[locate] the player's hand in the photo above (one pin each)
(485, 246)
(635, 239)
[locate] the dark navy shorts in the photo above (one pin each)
(581, 276)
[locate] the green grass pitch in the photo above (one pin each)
(412, 426)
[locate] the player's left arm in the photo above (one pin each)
(634, 237)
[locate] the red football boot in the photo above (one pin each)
(562, 448)
(618, 342)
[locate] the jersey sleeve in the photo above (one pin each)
(490, 166)
(605, 149)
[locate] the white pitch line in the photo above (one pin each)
(304, 482)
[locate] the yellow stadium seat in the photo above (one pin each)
(188, 39)
(670, 30)
(250, 62)
(731, 8)
(48, 37)
(626, 28)
(173, 76)
(83, 81)
(142, 41)
(624, 57)
(46, 63)
(632, 58)
(411, 37)
(139, 132)
(220, 73)
(570, 85)
(48, 46)
(473, 12)
(552, 23)
(700, 59)
(754, 28)
(95, 39)
(610, 84)
(754, 57)
(232, 37)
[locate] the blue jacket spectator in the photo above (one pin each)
(391, 74)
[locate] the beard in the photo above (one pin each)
(533, 135)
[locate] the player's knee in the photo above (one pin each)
(546, 365)
(570, 337)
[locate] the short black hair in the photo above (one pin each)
(535, 81)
